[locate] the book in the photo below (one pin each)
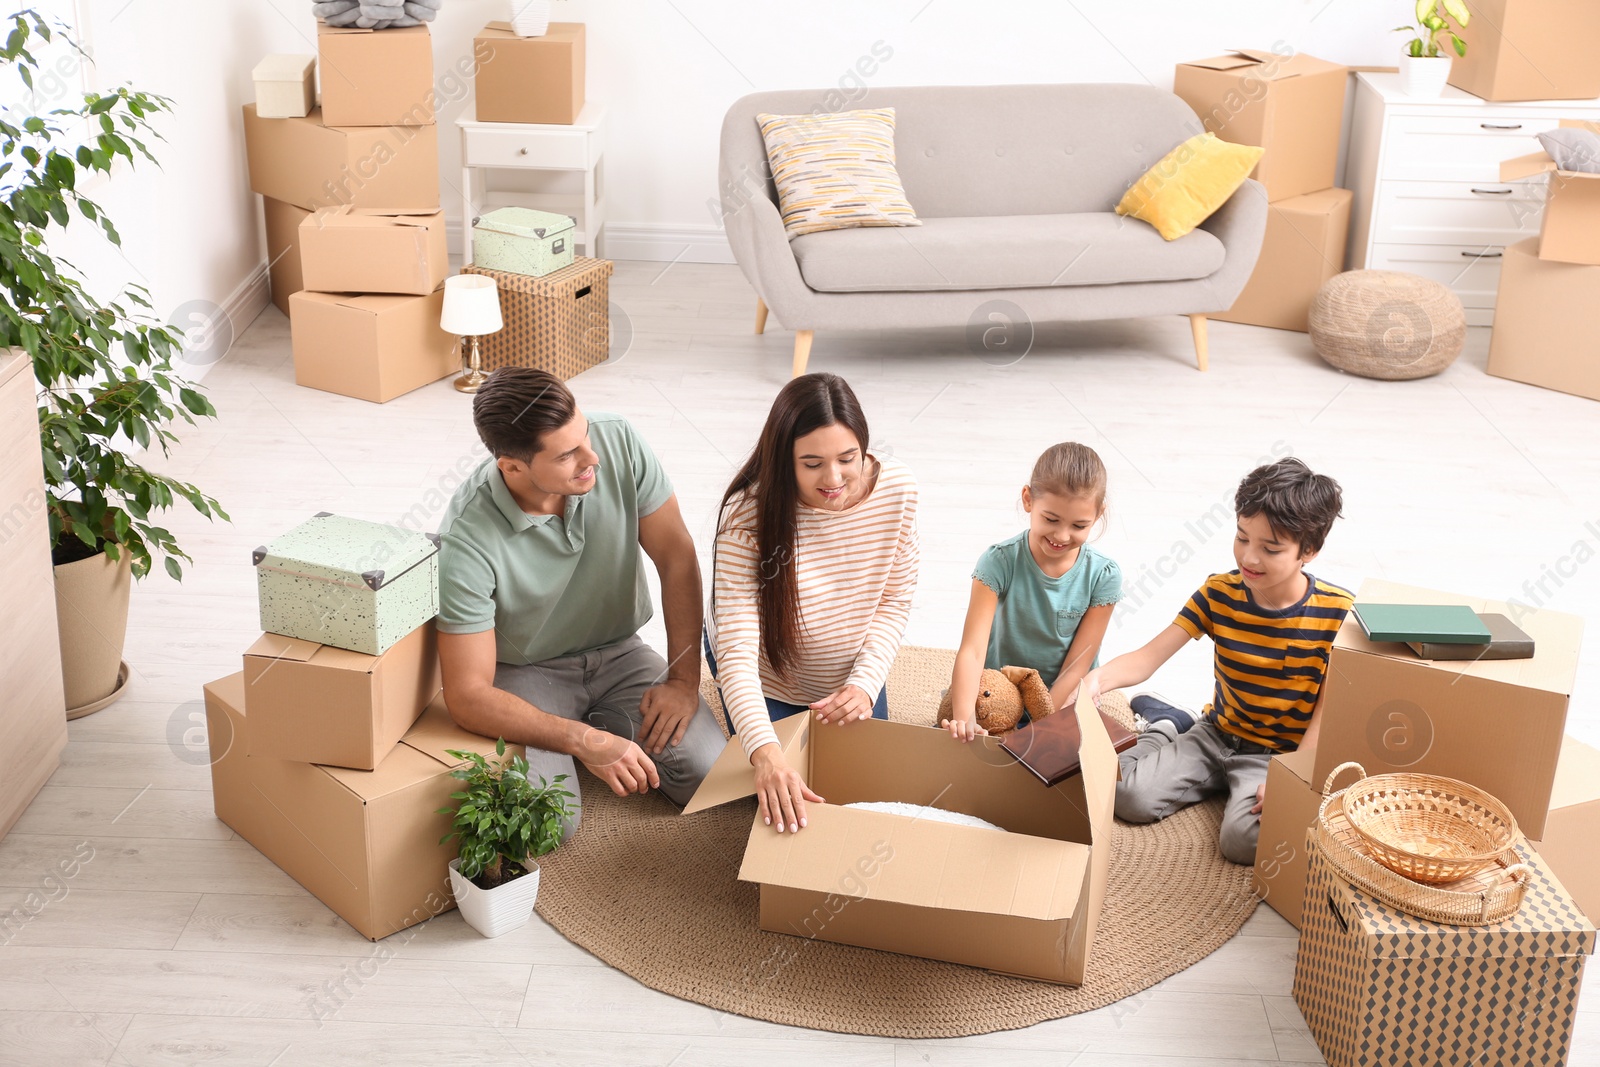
(1507, 640)
(1450, 624)
(1049, 746)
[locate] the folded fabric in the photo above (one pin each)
(923, 811)
(383, 15)
(1189, 184)
(836, 171)
(1573, 148)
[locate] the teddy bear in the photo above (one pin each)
(1003, 695)
(380, 15)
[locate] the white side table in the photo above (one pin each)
(517, 146)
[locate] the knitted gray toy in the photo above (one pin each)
(380, 15)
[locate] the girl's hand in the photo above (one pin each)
(780, 790)
(1090, 686)
(846, 705)
(964, 730)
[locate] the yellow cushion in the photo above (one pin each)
(836, 171)
(1189, 184)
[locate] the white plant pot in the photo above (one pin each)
(496, 911)
(530, 18)
(1422, 76)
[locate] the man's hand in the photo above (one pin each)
(844, 705)
(964, 729)
(1261, 798)
(780, 790)
(617, 762)
(666, 710)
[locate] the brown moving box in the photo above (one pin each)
(1288, 810)
(376, 78)
(319, 704)
(1571, 841)
(233, 796)
(1303, 248)
(1024, 902)
(529, 79)
(1530, 50)
(1570, 230)
(312, 165)
(1389, 711)
(283, 249)
(559, 322)
(1544, 331)
(1292, 106)
(357, 250)
(1378, 986)
(370, 346)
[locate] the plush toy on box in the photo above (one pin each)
(1003, 695)
(367, 15)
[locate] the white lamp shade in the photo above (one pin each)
(471, 306)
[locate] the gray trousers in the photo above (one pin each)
(603, 688)
(1165, 771)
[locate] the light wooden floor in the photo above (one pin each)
(179, 944)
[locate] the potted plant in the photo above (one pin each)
(1425, 60)
(104, 372)
(504, 823)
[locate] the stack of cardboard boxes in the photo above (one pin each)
(330, 750)
(1292, 106)
(355, 236)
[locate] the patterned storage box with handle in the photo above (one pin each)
(348, 583)
(559, 323)
(523, 241)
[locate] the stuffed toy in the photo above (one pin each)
(1003, 695)
(382, 15)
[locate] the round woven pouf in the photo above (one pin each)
(1387, 324)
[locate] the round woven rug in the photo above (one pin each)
(657, 895)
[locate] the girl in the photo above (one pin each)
(1043, 598)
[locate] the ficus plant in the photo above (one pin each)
(104, 370)
(503, 819)
(1433, 31)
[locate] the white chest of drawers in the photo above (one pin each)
(1426, 178)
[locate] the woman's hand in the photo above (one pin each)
(845, 705)
(780, 790)
(964, 729)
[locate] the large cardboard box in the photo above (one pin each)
(1497, 724)
(559, 322)
(233, 796)
(1544, 331)
(1530, 50)
(530, 79)
(370, 346)
(355, 250)
(283, 249)
(320, 704)
(1572, 829)
(1290, 105)
(1570, 229)
(1288, 810)
(304, 162)
(1024, 901)
(1303, 248)
(376, 77)
(1378, 986)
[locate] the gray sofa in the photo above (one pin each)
(1015, 186)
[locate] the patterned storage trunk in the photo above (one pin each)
(1378, 986)
(523, 241)
(348, 583)
(559, 323)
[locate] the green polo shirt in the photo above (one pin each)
(550, 585)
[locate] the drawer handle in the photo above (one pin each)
(522, 151)
(1500, 125)
(1483, 255)
(1493, 192)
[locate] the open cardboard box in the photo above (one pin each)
(1022, 902)
(1544, 323)
(1570, 232)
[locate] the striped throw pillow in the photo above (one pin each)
(836, 171)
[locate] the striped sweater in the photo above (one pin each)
(855, 571)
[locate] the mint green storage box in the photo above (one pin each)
(348, 583)
(523, 241)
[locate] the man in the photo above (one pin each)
(542, 594)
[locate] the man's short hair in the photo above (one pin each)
(1299, 505)
(516, 407)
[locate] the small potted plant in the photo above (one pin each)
(1425, 60)
(504, 823)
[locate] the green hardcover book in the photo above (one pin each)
(1449, 624)
(1507, 640)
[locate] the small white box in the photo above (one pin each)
(285, 86)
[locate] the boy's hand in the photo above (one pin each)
(964, 730)
(1261, 798)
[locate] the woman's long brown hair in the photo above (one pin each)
(807, 403)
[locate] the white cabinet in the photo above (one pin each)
(1426, 178)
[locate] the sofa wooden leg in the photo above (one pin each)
(802, 352)
(1197, 324)
(761, 315)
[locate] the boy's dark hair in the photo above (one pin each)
(517, 406)
(1299, 505)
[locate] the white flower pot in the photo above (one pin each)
(496, 911)
(1422, 76)
(530, 18)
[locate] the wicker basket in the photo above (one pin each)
(1488, 896)
(1427, 827)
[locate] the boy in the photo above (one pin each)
(1272, 625)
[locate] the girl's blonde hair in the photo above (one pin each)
(1072, 470)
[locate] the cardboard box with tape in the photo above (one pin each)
(376, 77)
(308, 163)
(357, 250)
(1303, 248)
(529, 79)
(372, 346)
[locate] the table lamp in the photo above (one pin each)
(471, 309)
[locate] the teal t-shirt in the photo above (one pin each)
(1038, 616)
(553, 585)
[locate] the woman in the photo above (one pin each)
(815, 564)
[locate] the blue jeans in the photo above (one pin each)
(777, 709)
